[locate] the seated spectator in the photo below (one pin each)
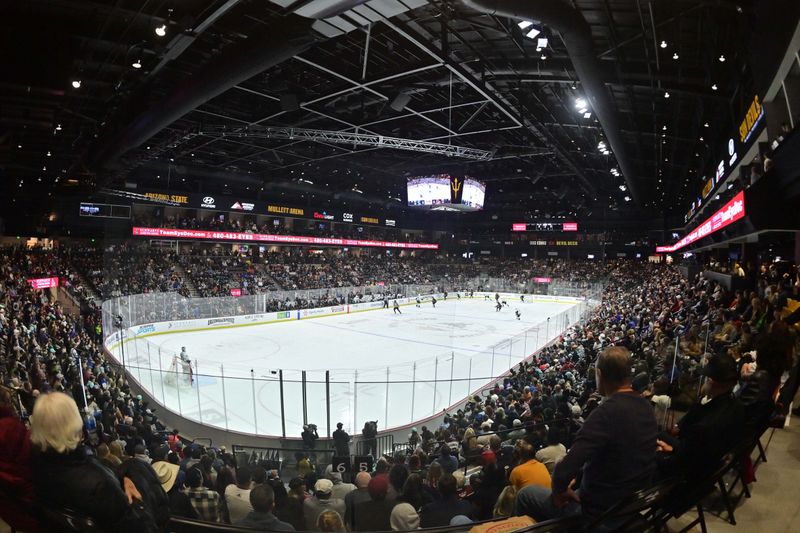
(440, 512)
(205, 501)
(404, 517)
(374, 515)
(290, 509)
(353, 498)
(237, 497)
(262, 499)
(179, 503)
(614, 450)
(15, 469)
(331, 521)
(529, 471)
(551, 454)
(448, 463)
(708, 430)
(321, 501)
(65, 477)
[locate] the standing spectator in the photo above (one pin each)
(373, 515)
(341, 441)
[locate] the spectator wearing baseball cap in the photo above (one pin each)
(321, 501)
(708, 430)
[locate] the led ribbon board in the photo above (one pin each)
(170, 233)
(725, 216)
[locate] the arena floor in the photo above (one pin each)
(417, 352)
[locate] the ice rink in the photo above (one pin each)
(394, 368)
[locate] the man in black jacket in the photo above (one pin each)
(614, 450)
(708, 430)
(440, 512)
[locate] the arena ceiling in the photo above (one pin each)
(456, 73)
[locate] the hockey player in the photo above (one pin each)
(445, 294)
(458, 295)
(396, 308)
(419, 301)
(498, 306)
(505, 303)
(471, 293)
(184, 354)
(433, 301)
(522, 298)
(497, 297)
(386, 302)
(517, 313)
(485, 297)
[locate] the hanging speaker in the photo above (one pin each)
(400, 102)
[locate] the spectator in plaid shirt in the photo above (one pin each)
(205, 502)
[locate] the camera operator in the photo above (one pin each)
(370, 435)
(309, 436)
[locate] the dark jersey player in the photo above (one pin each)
(433, 301)
(517, 313)
(522, 298)
(386, 302)
(445, 294)
(498, 306)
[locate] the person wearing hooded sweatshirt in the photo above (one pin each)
(404, 517)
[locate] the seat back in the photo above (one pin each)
(633, 513)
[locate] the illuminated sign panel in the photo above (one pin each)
(162, 197)
(751, 119)
(43, 283)
(519, 226)
(725, 216)
(370, 220)
(708, 187)
(570, 226)
(170, 233)
(284, 210)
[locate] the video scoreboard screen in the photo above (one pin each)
(544, 226)
(444, 192)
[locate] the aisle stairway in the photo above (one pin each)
(263, 270)
(187, 281)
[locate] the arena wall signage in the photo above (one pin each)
(735, 148)
(171, 233)
(544, 226)
(43, 283)
(285, 210)
(728, 214)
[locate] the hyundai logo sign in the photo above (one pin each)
(208, 201)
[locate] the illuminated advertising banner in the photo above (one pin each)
(544, 226)
(170, 233)
(43, 283)
(542, 280)
(236, 292)
(708, 187)
(285, 210)
(725, 216)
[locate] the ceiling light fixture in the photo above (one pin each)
(666, 94)
(137, 64)
(721, 58)
(627, 198)
(541, 42)
(524, 24)
(705, 125)
(533, 33)
(714, 87)
(161, 30)
(663, 44)
(58, 127)
(623, 188)
(675, 56)
(664, 127)
(587, 115)
(76, 84)
(580, 103)
(544, 56)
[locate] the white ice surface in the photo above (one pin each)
(362, 351)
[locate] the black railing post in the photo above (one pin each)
(283, 414)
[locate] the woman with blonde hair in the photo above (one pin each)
(330, 521)
(505, 502)
(65, 476)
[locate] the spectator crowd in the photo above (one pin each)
(571, 431)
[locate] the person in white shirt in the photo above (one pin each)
(237, 497)
(551, 454)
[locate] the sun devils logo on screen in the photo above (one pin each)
(456, 190)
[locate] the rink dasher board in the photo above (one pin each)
(259, 319)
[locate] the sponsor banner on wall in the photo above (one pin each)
(542, 280)
(236, 292)
(43, 283)
(283, 315)
(220, 321)
(147, 328)
(172, 233)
